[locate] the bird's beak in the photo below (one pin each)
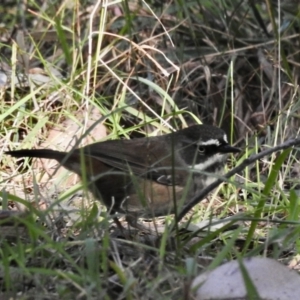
(229, 149)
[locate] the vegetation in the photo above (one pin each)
(134, 68)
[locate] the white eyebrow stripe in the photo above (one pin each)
(210, 142)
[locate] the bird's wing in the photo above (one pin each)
(139, 158)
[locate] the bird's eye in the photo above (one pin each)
(201, 149)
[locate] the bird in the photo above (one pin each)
(146, 177)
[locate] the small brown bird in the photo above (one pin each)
(144, 176)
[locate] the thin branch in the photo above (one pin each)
(248, 161)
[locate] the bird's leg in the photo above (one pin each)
(119, 225)
(126, 231)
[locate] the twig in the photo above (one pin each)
(248, 161)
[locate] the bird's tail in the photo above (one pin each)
(39, 153)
